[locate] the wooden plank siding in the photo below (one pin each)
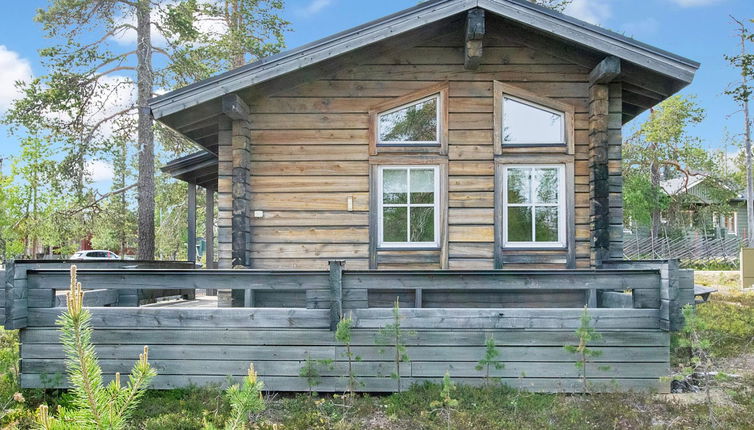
(278, 341)
(532, 315)
(310, 170)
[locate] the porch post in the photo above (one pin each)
(191, 222)
(209, 228)
(599, 174)
(234, 224)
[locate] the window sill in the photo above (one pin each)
(408, 248)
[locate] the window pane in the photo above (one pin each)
(545, 185)
(422, 224)
(519, 224)
(394, 224)
(394, 186)
(423, 186)
(524, 123)
(518, 185)
(414, 123)
(547, 224)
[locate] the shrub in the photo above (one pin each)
(393, 334)
(490, 359)
(93, 404)
(586, 333)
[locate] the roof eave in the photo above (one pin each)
(561, 26)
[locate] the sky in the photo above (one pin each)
(698, 29)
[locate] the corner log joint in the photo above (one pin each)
(475, 29)
(606, 71)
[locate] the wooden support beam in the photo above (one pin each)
(209, 228)
(191, 222)
(235, 108)
(336, 292)
(606, 71)
(475, 29)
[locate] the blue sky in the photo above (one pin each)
(699, 29)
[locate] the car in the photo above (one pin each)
(95, 254)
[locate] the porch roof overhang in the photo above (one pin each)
(649, 74)
(199, 168)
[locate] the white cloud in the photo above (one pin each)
(99, 170)
(315, 6)
(694, 3)
(591, 11)
(12, 68)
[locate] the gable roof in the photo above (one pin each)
(681, 184)
(521, 11)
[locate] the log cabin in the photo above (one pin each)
(462, 156)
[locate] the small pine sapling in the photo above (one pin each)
(586, 334)
(343, 335)
(393, 334)
(93, 404)
(699, 346)
(490, 359)
(447, 404)
(311, 371)
(245, 401)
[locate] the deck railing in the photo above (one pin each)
(291, 314)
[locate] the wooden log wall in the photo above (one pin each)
(311, 165)
(205, 346)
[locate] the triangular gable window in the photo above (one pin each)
(527, 123)
(416, 123)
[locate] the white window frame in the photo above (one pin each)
(438, 118)
(561, 205)
(560, 113)
(381, 204)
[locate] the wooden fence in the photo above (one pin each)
(687, 248)
(530, 314)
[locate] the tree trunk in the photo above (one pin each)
(749, 178)
(145, 132)
(654, 176)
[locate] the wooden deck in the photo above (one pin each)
(531, 315)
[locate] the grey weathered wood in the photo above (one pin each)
(183, 279)
(234, 107)
(475, 28)
(209, 228)
(548, 318)
(387, 384)
(192, 317)
(360, 337)
(606, 71)
(336, 293)
(191, 222)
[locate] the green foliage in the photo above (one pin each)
(661, 149)
(93, 405)
(245, 401)
(586, 334)
(394, 335)
(343, 335)
(446, 405)
(311, 371)
(490, 359)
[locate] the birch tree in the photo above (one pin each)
(741, 93)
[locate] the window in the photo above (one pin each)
(534, 210)
(417, 123)
(526, 123)
(408, 206)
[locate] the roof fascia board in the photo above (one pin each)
(521, 11)
(315, 53)
(640, 55)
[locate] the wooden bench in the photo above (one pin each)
(703, 292)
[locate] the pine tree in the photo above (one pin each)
(93, 404)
